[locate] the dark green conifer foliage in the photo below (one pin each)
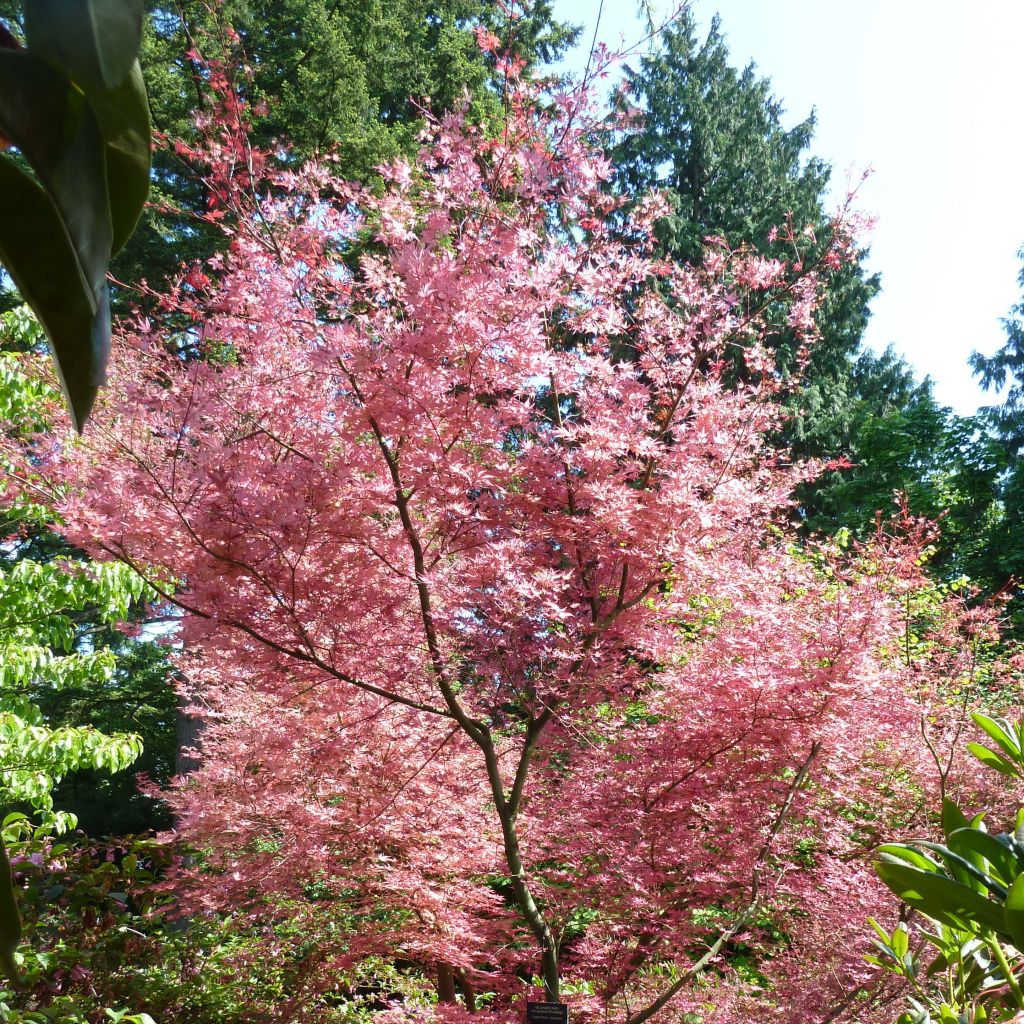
(713, 138)
(1004, 369)
(351, 77)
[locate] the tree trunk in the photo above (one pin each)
(190, 734)
(468, 992)
(445, 983)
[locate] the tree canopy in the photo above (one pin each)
(517, 539)
(445, 575)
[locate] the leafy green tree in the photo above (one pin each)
(43, 646)
(898, 438)
(137, 698)
(1005, 369)
(38, 605)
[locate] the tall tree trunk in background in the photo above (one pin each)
(190, 735)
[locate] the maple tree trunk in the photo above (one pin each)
(445, 983)
(468, 992)
(528, 907)
(189, 737)
(507, 804)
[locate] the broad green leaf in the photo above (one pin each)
(56, 131)
(940, 897)
(952, 817)
(965, 871)
(96, 41)
(35, 250)
(996, 854)
(910, 855)
(123, 115)
(999, 730)
(1013, 913)
(991, 759)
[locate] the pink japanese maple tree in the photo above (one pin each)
(489, 598)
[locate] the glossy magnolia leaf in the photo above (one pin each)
(965, 871)
(997, 856)
(1013, 913)
(940, 897)
(95, 41)
(56, 244)
(991, 759)
(910, 855)
(999, 730)
(122, 110)
(36, 252)
(89, 143)
(56, 131)
(123, 116)
(10, 919)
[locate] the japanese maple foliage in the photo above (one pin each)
(488, 597)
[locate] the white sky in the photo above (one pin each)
(929, 94)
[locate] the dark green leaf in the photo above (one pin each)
(96, 41)
(940, 897)
(123, 115)
(36, 252)
(965, 871)
(1013, 913)
(58, 134)
(996, 853)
